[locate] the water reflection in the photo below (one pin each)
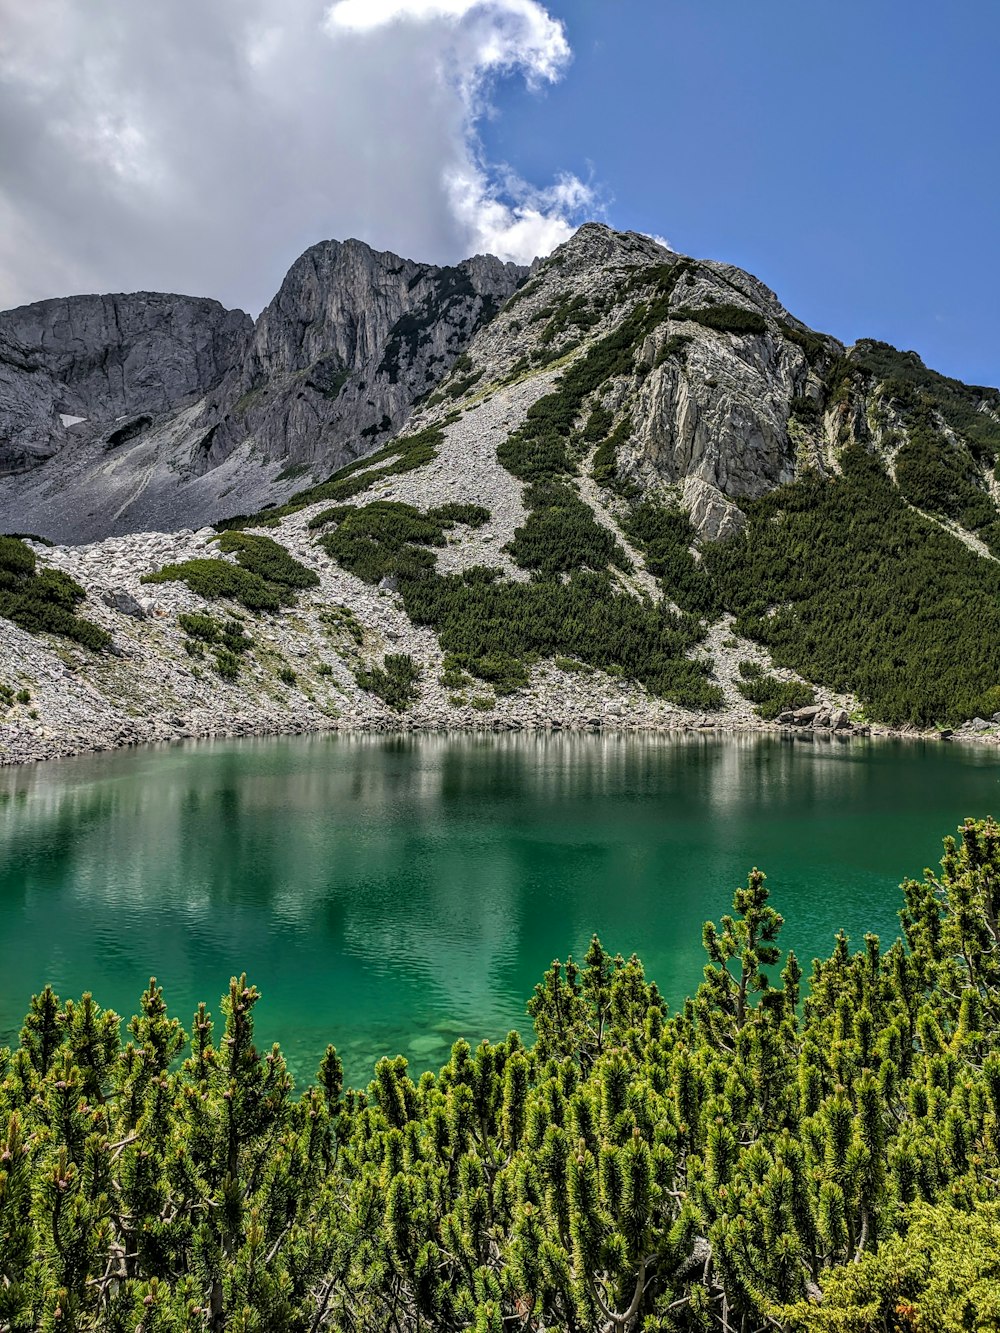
(392, 893)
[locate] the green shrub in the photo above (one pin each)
(395, 682)
(340, 619)
(44, 601)
(561, 534)
(23, 697)
(471, 515)
(268, 559)
(383, 539)
(665, 537)
(809, 1157)
(814, 345)
(774, 696)
(604, 468)
(907, 378)
(287, 676)
(674, 346)
(847, 586)
(227, 663)
(724, 318)
(805, 409)
(324, 669)
(403, 454)
(213, 579)
(204, 629)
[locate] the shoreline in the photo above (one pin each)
(43, 749)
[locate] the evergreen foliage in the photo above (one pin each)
(212, 579)
(268, 559)
(455, 512)
(495, 628)
(403, 454)
(846, 585)
(666, 538)
(395, 682)
(265, 579)
(561, 534)
(772, 696)
(905, 377)
(228, 642)
(751, 1162)
(43, 601)
(724, 318)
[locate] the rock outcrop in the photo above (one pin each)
(149, 411)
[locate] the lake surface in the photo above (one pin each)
(390, 895)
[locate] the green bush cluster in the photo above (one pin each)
(213, 579)
(43, 601)
(266, 578)
(383, 539)
(455, 512)
(906, 377)
(340, 619)
(604, 468)
(815, 346)
(228, 641)
(267, 559)
(403, 454)
(724, 318)
(772, 696)
(846, 585)
(538, 450)
(759, 1160)
(561, 534)
(495, 628)
(395, 681)
(674, 346)
(664, 535)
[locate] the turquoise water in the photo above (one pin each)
(392, 894)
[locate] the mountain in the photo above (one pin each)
(638, 493)
(149, 411)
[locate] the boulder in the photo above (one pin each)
(124, 603)
(805, 716)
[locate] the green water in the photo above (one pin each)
(392, 894)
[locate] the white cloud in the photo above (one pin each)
(201, 147)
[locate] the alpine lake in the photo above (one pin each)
(391, 894)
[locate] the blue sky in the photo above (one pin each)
(848, 154)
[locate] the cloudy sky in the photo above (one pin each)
(845, 153)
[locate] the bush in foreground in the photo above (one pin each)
(749, 1163)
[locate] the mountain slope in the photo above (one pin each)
(644, 495)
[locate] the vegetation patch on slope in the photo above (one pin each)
(404, 454)
(751, 1162)
(395, 681)
(496, 628)
(266, 578)
(771, 695)
(846, 585)
(227, 641)
(43, 600)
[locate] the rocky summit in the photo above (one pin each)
(626, 488)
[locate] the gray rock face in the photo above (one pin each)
(83, 366)
(128, 413)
